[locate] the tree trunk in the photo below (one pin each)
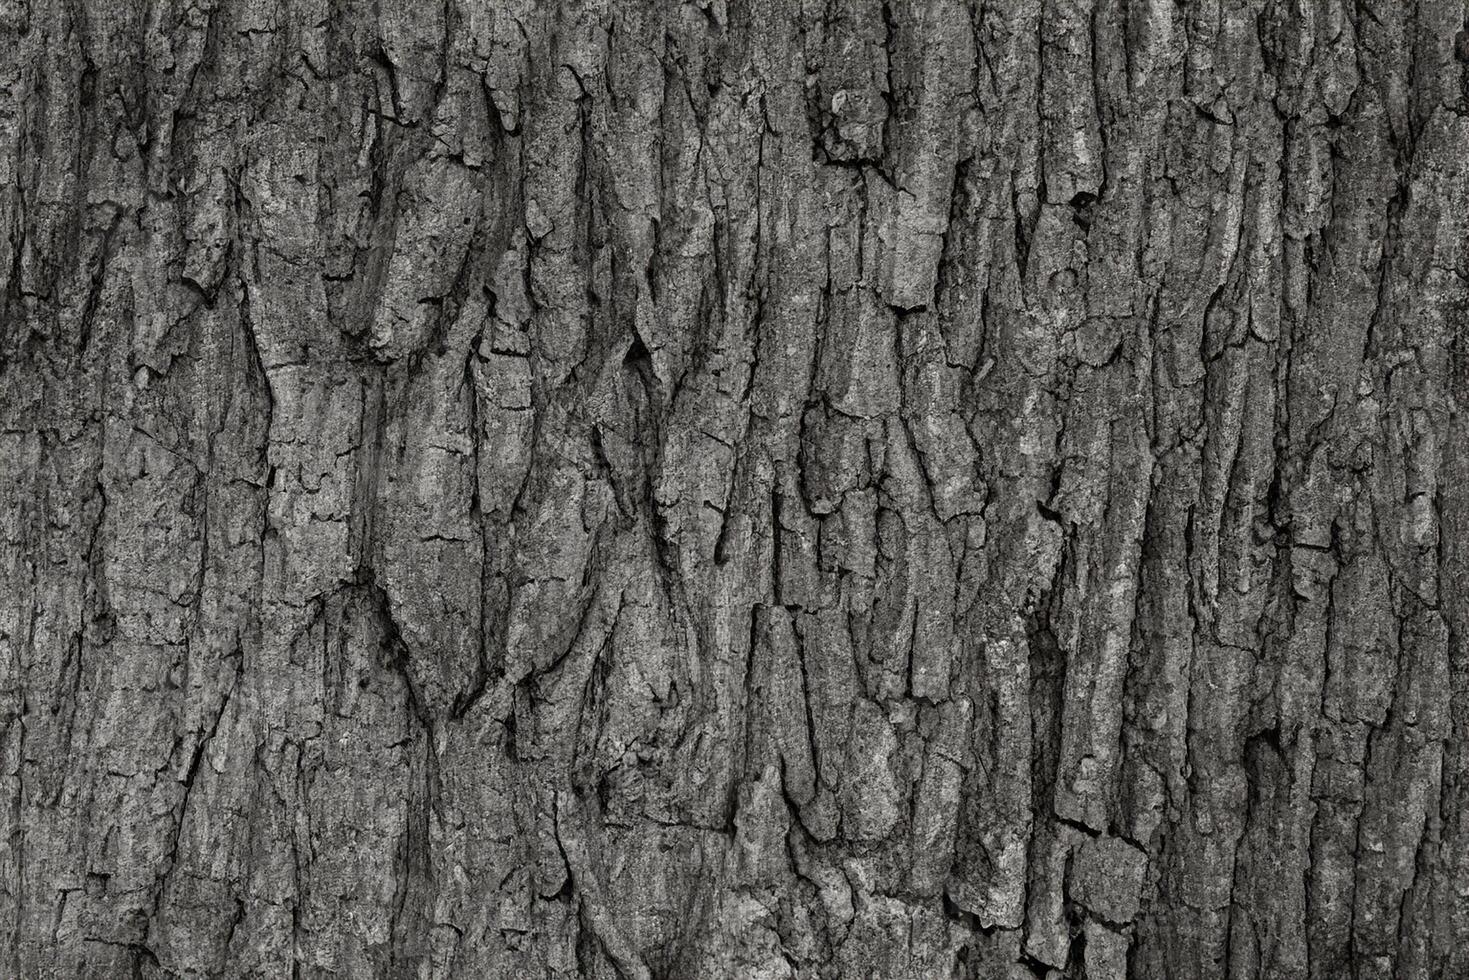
(734, 489)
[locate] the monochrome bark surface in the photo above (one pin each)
(734, 489)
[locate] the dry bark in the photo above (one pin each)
(759, 489)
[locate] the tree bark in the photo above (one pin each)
(734, 489)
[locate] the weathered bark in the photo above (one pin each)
(776, 488)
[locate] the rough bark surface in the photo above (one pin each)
(762, 489)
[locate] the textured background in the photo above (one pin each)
(785, 489)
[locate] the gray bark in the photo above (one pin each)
(756, 489)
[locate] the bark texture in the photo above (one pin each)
(734, 489)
